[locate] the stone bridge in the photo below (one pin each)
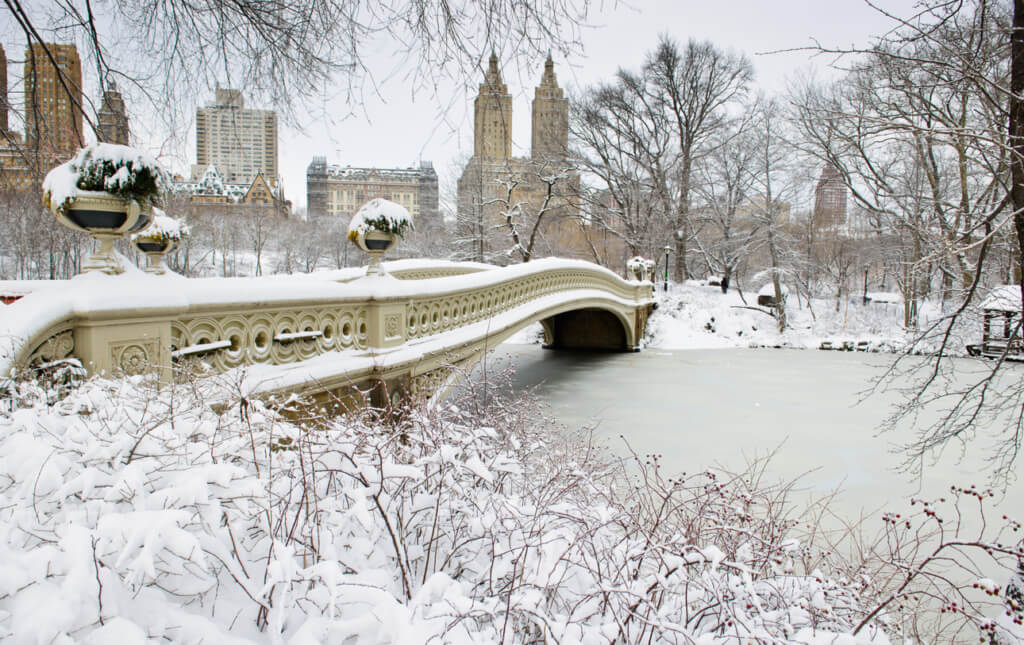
(323, 332)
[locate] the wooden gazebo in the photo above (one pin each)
(1001, 330)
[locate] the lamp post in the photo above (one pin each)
(668, 249)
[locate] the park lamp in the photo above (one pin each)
(667, 249)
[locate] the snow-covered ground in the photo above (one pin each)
(695, 316)
(135, 512)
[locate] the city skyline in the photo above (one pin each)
(395, 127)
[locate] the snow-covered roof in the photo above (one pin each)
(212, 184)
(769, 290)
(886, 297)
(396, 174)
(1003, 298)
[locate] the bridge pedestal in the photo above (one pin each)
(124, 349)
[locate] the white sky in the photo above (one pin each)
(397, 127)
(397, 130)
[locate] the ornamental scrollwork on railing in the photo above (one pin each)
(56, 347)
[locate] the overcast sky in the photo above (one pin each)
(395, 129)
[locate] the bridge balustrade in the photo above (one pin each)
(127, 325)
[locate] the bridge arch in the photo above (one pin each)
(589, 328)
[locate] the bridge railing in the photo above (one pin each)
(129, 324)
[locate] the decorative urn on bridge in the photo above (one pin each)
(158, 239)
(107, 191)
(640, 269)
(376, 227)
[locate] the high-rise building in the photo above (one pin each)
(112, 117)
(492, 116)
(53, 99)
(550, 135)
(830, 199)
(238, 142)
(339, 191)
(492, 171)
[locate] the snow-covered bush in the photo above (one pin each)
(130, 511)
(380, 215)
(162, 229)
(108, 168)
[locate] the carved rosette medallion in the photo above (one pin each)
(392, 326)
(133, 357)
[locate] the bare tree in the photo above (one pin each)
(772, 180)
(725, 186)
(926, 130)
(624, 144)
(695, 87)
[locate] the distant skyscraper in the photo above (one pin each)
(550, 136)
(238, 142)
(53, 99)
(492, 116)
(830, 199)
(112, 117)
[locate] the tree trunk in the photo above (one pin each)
(780, 296)
(1017, 131)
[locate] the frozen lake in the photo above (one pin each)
(704, 407)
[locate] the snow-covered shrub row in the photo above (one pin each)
(130, 511)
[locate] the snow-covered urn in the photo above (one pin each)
(107, 191)
(376, 227)
(640, 268)
(158, 239)
(635, 268)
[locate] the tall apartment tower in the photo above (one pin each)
(550, 137)
(492, 116)
(53, 99)
(112, 117)
(238, 142)
(830, 199)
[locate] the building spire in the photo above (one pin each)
(493, 77)
(548, 80)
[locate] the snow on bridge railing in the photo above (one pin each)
(408, 269)
(124, 323)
